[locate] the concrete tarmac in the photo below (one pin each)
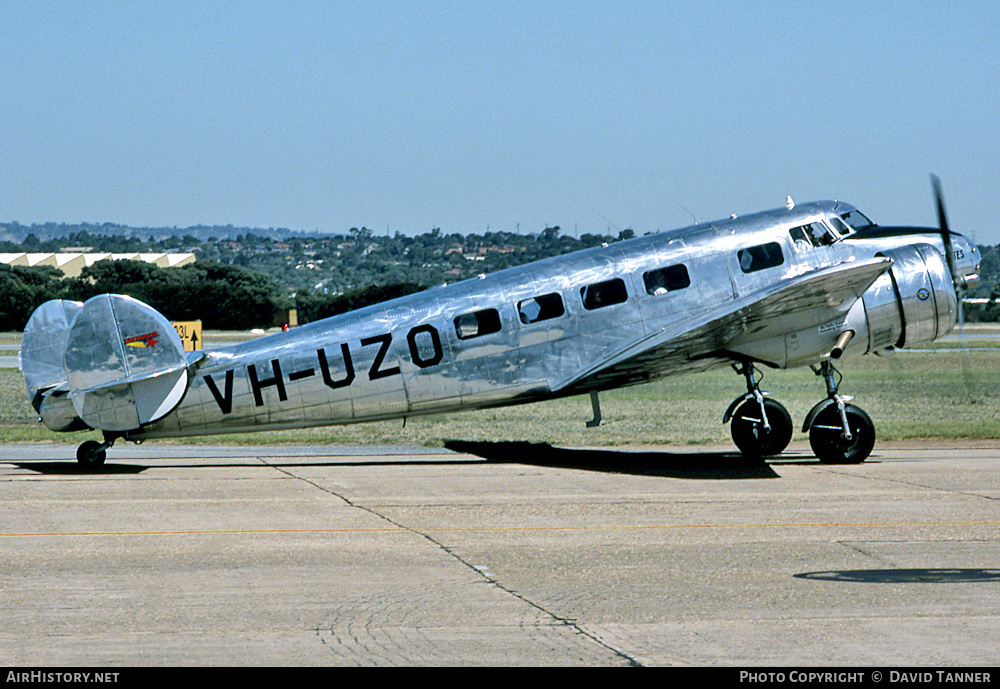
(499, 554)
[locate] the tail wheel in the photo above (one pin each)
(826, 437)
(750, 434)
(91, 454)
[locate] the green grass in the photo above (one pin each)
(942, 394)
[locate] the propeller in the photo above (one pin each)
(957, 279)
(949, 252)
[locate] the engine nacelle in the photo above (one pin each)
(914, 302)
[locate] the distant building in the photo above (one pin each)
(72, 264)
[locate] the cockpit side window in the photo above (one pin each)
(857, 220)
(808, 236)
(800, 239)
(842, 228)
(821, 234)
(756, 258)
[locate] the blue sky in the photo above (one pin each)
(404, 116)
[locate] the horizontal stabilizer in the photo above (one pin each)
(124, 363)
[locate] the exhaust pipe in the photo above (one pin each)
(842, 340)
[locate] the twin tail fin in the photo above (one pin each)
(112, 363)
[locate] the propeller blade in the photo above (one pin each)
(959, 282)
(939, 200)
(970, 378)
(949, 252)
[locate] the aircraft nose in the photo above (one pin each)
(967, 260)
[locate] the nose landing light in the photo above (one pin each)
(970, 280)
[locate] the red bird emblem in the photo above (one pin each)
(147, 340)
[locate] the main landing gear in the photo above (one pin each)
(839, 433)
(760, 426)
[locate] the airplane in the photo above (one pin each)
(800, 285)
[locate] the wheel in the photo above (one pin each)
(748, 431)
(826, 437)
(90, 454)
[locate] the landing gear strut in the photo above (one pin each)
(760, 426)
(839, 433)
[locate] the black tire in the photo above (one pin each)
(826, 437)
(748, 431)
(90, 454)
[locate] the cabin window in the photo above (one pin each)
(478, 323)
(756, 258)
(540, 308)
(602, 294)
(663, 280)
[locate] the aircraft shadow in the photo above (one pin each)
(692, 465)
(905, 576)
(695, 465)
(69, 468)
(74, 468)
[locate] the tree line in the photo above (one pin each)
(252, 281)
(328, 263)
(223, 297)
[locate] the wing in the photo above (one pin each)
(704, 342)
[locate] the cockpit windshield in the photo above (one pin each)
(856, 221)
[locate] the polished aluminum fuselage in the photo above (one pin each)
(411, 356)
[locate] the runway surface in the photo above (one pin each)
(499, 554)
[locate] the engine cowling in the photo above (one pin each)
(913, 302)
